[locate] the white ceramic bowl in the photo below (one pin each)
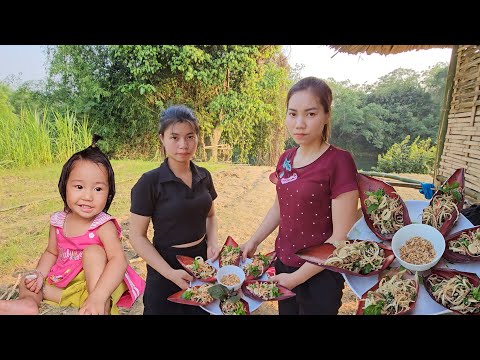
(425, 231)
(231, 269)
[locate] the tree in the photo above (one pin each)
(218, 81)
(434, 83)
(408, 107)
(417, 157)
(355, 126)
(123, 88)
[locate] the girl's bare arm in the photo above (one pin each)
(45, 263)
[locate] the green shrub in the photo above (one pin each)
(417, 157)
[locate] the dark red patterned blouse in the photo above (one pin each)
(305, 196)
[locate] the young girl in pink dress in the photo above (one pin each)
(84, 265)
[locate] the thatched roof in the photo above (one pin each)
(383, 49)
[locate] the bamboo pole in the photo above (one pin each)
(402, 184)
(389, 176)
(447, 99)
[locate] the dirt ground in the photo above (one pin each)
(245, 195)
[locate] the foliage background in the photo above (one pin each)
(237, 92)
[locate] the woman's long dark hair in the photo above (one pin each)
(95, 155)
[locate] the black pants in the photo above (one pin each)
(319, 295)
(158, 288)
(472, 213)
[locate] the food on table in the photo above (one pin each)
(198, 268)
(383, 209)
(234, 306)
(418, 251)
(444, 208)
(352, 257)
(467, 243)
(199, 294)
(266, 290)
(230, 253)
(231, 302)
(230, 279)
(396, 294)
(361, 257)
(259, 265)
(386, 213)
(201, 269)
(196, 295)
(455, 290)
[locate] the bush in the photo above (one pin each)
(417, 157)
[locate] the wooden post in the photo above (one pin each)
(215, 139)
(443, 124)
(201, 147)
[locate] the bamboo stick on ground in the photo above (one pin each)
(14, 286)
(46, 311)
(3, 295)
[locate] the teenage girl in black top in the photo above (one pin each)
(178, 198)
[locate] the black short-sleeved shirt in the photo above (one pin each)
(178, 213)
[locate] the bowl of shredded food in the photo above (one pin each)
(418, 247)
(231, 276)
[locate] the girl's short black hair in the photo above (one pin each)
(95, 155)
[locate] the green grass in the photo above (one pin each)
(24, 230)
(32, 138)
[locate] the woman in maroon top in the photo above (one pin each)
(316, 202)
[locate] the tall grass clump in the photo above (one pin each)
(24, 139)
(8, 124)
(70, 135)
(34, 138)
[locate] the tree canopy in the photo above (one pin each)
(237, 92)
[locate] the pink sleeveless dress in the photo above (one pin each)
(69, 260)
